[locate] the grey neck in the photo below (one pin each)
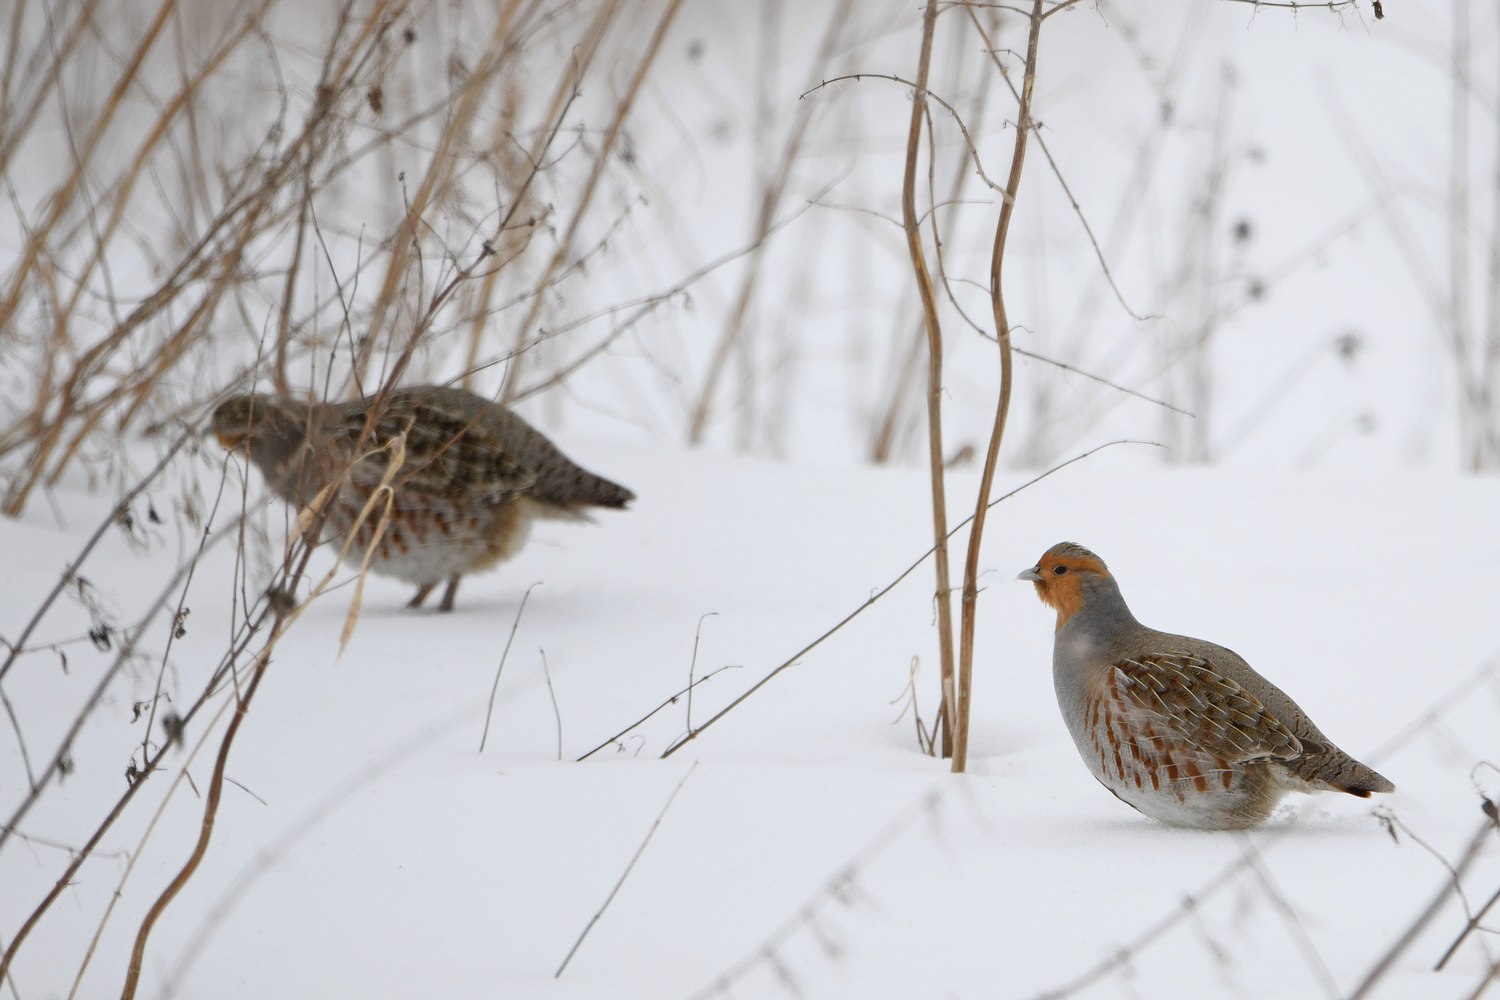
(1106, 611)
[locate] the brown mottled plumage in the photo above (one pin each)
(475, 475)
(1182, 729)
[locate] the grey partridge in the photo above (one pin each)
(474, 476)
(1182, 729)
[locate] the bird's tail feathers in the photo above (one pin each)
(1335, 770)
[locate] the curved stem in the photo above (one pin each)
(912, 224)
(210, 813)
(1002, 406)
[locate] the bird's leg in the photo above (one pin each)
(450, 593)
(420, 595)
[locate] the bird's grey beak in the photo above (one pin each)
(1032, 575)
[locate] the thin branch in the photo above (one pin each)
(1070, 369)
(184, 773)
(15, 723)
(626, 873)
(1439, 899)
(179, 615)
(1332, 5)
(1457, 695)
(1468, 929)
(552, 694)
(292, 568)
(936, 474)
(967, 622)
(495, 688)
(1062, 182)
(586, 193)
(774, 191)
(924, 94)
(566, 93)
(1301, 938)
(205, 832)
(70, 572)
(1494, 970)
(838, 887)
(671, 700)
(641, 309)
(693, 665)
(69, 849)
(797, 656)
(235, 890)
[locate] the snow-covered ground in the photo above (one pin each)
(1276, 196)
(802, 847)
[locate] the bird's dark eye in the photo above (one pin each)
(1060, 570)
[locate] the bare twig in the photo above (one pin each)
(1300, 937)
(1494, 971)
(293, 566)
(870, 601)
(943, 595)
(15, 724)
(70, 572)
(563, 96)
(237, 888)
(626, 873)
(1469, 927)
(919, 86)
(210, 812)
(309, 523)
(1408, 936)
(1121, 958)
(495, 688)
(926, 742)
(585, 196)
(904, 366)
(670, 700)
(1088, 230)
(1393, 823)
(839, 886)
(552, 694)
(1292, 5)
(177, 628)
(1457, 695)
(1072, 370)
(1002, 403)
(693, 666)
(184, 773)
(771, 197)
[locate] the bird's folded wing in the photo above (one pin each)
(1208, 709)
(446, 456)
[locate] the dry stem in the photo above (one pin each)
(1002, 405)
(871, 600)
(210, 813)
(912, 224)
(585, 197)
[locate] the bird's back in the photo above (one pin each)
(1322, 762)
(463, 444)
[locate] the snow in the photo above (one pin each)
(803, 846)
(365, 847)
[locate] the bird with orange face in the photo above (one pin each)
(1180, 728)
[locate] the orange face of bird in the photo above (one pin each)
(232, 421)
(1058, 577)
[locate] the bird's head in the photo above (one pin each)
(234, 419)
(265, 428)
(1061, 575)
